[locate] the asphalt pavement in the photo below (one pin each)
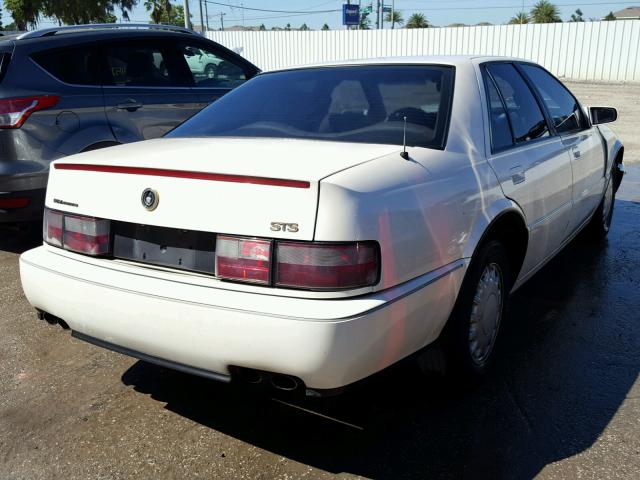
(563, 401)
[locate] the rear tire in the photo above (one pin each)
(600, 223)
(467, 346)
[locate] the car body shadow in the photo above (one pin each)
(20, 238)
(569, 358)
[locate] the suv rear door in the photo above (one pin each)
(147, 88)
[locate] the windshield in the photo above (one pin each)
(350, 104)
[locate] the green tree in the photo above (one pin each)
(175, 16)
(11, 27)
(610, 17)
(325, 27)
(519, 18)
(396, 18)
(417, 20)
(577, 16)
(158, 9)
(288, 27)
(365, 21)
(70, 12)
(304, 27)
(545, 12)
(262, 28)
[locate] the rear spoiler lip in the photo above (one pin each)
(185, 174)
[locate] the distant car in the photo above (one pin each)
(72, 89)
(319, 224)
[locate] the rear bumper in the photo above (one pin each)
(29, 186)
(33, 210)
(197, 323)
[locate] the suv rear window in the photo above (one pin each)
(77, 65)
(364, 104)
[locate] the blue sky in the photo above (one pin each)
(439, 12)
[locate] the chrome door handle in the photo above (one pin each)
(576, 153)
(130, 105)
(517, 174)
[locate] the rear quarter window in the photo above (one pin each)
(77, 65)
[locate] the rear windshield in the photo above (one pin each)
(348, 104)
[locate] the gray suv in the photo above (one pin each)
(72, 89)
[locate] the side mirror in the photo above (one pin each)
(600, 115)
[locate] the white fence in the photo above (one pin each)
(592, 51)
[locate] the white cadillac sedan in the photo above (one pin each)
(319, 224)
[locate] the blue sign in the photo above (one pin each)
(350, 15)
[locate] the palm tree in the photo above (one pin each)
(519, 18)
(325, 27)
(158, 9)
(394, 17)
(545, 12)
(417, 20)
(577, 16)
(365, 21)
(304, 27)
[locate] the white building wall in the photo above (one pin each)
(590, 51)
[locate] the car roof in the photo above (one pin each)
(452, 60)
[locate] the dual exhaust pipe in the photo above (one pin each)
(278, 381)
(249, 376)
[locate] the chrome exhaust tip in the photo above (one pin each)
(284, 382)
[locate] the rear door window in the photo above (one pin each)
(501, 136)
(526, 118)
(78, 65)
(209, 69)
(561, 104)
(153, 64)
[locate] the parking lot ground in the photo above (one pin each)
(626, 98)
(563, 401)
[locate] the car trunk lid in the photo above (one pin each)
(234, 186)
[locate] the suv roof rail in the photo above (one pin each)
(47, 32)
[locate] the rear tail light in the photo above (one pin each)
(326, 266)
(243, 259)
(52, 228)
(302, 265)
(14, 111)
(10, 203)
(77, 233)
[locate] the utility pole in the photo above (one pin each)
(206, 14)
(222, 20)
(187, 17)
(393, 14)
(201, 19)
(377, 14)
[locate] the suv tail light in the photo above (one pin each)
(14, 111)
(77, 233)
(320, 266)
(243, 259)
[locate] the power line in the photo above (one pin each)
(273, 11)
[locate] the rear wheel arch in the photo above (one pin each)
(509, 228)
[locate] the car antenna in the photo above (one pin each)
(404, 153)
